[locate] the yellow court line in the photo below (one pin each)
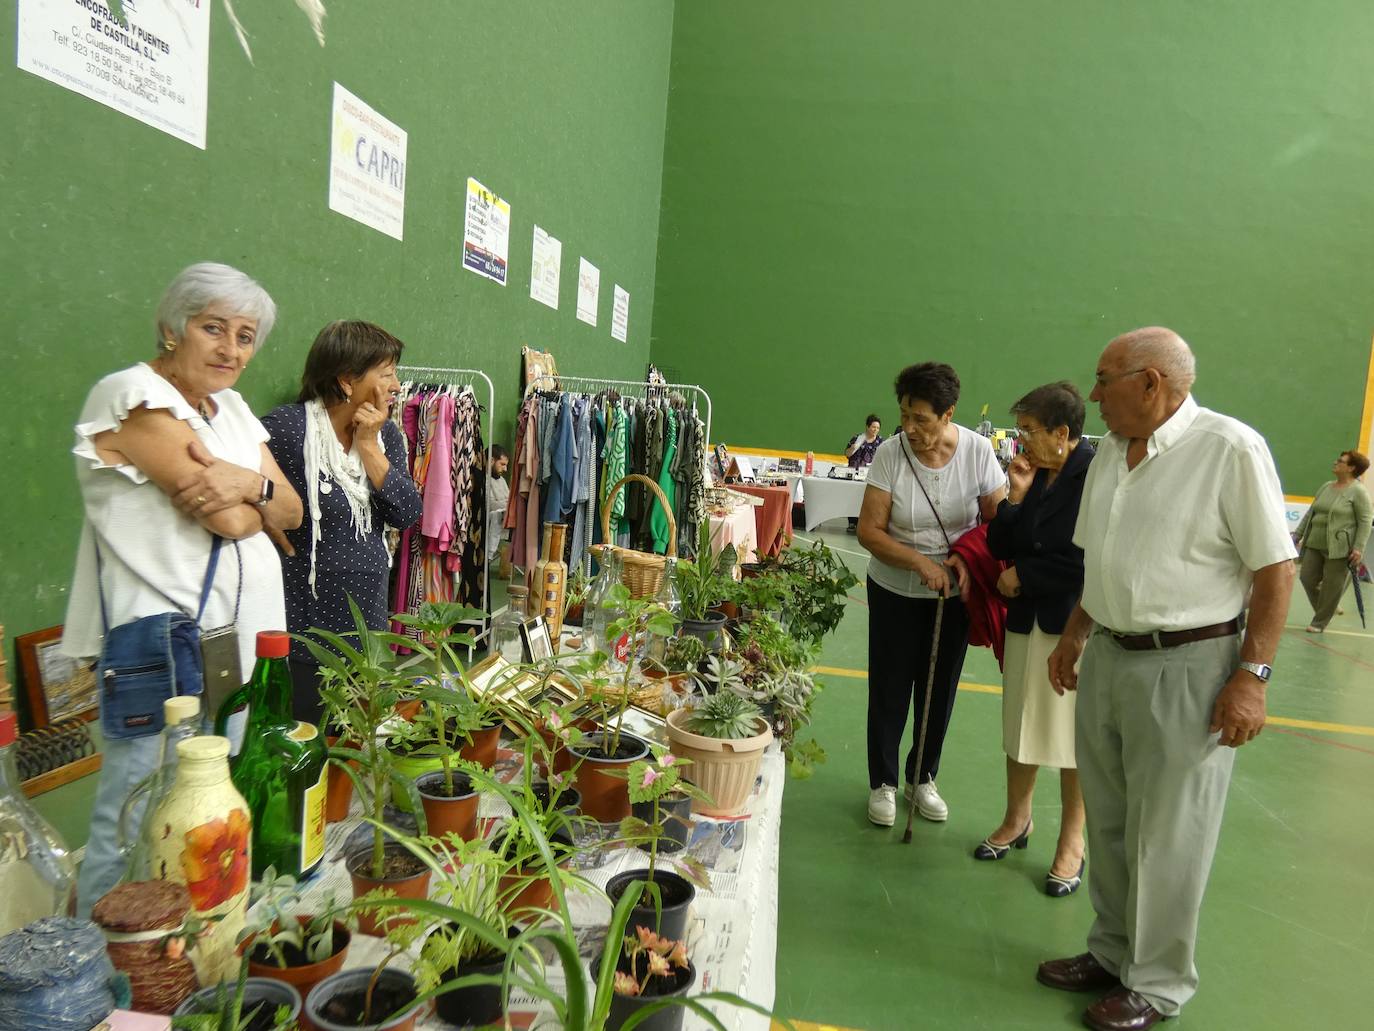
(806, 1025)
(1278, 721)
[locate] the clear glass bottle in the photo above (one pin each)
(595, 614)
(181, 720)
(281, 769)
(505, 626)
(37, 876)
(670, 599)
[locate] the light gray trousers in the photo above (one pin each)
(1324, 580)
(1154, 786)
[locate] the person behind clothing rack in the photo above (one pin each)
(927, 487)
(1034, 531)
(168, 456)
(348, 461)
(498, 499)
(1332, 536)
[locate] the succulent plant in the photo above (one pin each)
(725, 715)
(723, 674)
(684, 652)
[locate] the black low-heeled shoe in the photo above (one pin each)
(1062, 887)
(989, 851)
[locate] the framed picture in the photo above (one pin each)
(538, 644)
(56, 686)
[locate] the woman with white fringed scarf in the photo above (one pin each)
(347, 461)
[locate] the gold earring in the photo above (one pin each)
(169, 345)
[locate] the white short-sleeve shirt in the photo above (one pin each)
(1174, 543)
(154, 557)
(953, 489)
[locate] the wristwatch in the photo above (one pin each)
(1259, 669)
(267, 488)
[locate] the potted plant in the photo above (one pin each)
(249, 1004)
(377, 998)
(299, 950)
(650, 968)
(360, 688)
(575, 595)
(702, 583)
(819, 586)
(724, 736)
(605, 798)
(662, 797)
(776, 673)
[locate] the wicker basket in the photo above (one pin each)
(641, 571)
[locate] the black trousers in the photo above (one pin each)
(900, 633)
(306, 703)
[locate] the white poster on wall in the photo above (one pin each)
(367, 166)
(153, 67)
(588, 291)
(486, 233)
(546, 268)
(620, 313)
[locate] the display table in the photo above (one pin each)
(737, 527)
(827, 499)
(772, 519)
(732, 932)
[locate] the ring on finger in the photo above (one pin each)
(200, 499)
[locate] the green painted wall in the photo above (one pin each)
(560, 108)
(1003, 185)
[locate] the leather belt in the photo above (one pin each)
(1174, 638)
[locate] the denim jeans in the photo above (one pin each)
(123, 764)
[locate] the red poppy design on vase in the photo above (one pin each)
(215, 860)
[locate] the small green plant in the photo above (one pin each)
(723, 673)
(273, 926)
(820, 583)
(652, 782)
(702, 580)
(725, 715)
(684, 653)
(227, 1012)
(642, 620)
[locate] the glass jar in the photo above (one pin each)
(37, 876)
(597, 614)
(505, 626)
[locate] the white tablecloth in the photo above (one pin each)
(735, 527)
(827, 499)
(732, 933)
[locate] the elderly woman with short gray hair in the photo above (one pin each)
(172, 465)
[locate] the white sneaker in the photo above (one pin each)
(882, 806)
(928, 802)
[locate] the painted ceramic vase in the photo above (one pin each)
(203, 840)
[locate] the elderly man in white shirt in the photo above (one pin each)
(1182, 527)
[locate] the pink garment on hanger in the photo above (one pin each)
(436, 522)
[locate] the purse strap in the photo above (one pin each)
(949, 545)
(216, 542)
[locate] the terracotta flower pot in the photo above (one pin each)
(563, 760)
(724, 769)
(405, 886)
(449, 814)
(306, 975)
(606, 799)
(339, 793)
(482, 748)
(537, 890)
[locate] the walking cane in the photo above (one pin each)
(925, 717)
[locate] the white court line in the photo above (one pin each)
(832, 547)
(1328, 630)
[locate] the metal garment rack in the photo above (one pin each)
(589, 385)
(467, 378)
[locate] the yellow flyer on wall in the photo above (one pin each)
(486, 233)
(152, 65)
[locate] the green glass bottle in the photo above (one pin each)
(281, 769)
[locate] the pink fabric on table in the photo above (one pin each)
(773, 519)
(736, 527)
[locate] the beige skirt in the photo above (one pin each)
(1037, 724)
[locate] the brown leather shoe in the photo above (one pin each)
(1121, 1010)
(1076, 974)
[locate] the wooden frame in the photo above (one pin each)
(538, 643)
(55, 687)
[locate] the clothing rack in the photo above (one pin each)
(587, 384)
(468, 378)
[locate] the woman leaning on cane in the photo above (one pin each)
(1332, 536)
(927, 487)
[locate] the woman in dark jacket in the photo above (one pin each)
(347, 461)
(1033, 530)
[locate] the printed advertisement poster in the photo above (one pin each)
(154, 67)
(486, 233)
(546, 268)
(620, 313)
(367, 166)
(588, 291)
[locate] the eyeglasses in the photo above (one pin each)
(1029, 431)
(1103, 381)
